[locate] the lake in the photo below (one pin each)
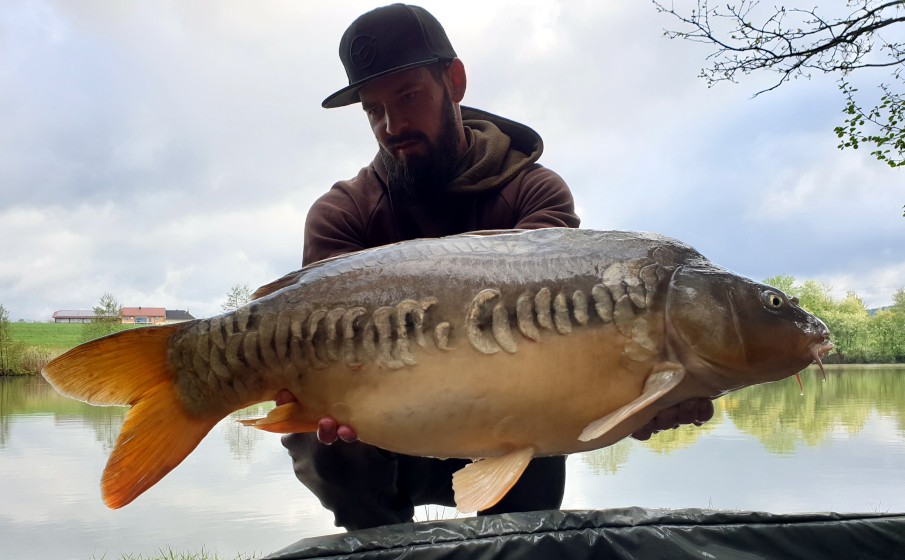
(839, 447)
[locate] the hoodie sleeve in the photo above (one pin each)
(353, 215)
(540, 198)
(334, 226)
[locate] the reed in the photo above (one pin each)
(170, 554)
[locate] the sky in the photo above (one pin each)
(165, 151)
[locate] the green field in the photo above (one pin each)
(54, 337)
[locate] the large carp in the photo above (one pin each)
(497, 346)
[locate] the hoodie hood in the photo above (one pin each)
(498, 150)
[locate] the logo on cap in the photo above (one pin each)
(363, 50)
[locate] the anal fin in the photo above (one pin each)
(483, 483)
(657, 384)
(289, 418)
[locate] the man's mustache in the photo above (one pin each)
(395, 141)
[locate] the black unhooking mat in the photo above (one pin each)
(629, 533)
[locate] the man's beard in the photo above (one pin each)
(423, 178)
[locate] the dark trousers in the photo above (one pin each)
(366, 487)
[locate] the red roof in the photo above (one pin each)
(144, 312)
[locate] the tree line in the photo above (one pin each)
(781, 417)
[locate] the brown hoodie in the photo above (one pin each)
(498, 185)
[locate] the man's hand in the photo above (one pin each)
(328, 428)
(692, 411)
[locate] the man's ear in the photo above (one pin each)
(455, 75)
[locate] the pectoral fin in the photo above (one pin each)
(656, 385)
(287, 418)
(483, 483)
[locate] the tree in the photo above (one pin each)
(796, 42)
(10, 350)
(848, 323)
(898, 302)
(107, 318)
(108, 310)
(784, 283)
(890, 329)
(237, 296)
(886, 333)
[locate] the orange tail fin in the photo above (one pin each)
(131, 368)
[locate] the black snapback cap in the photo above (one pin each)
(386, 40)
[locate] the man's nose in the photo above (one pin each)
(395, 123)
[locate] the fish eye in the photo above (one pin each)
(772, 299)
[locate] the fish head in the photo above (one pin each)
(736, 332)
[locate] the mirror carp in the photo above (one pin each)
(495, 346)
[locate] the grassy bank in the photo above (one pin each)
(34, 344)
(55, 337)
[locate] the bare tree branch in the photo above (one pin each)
(794, 42)
(790, 41)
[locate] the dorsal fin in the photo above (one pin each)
(293, 277)
(277, 284)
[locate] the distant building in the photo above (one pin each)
(177, 316)
(144, 315)
(129, 315)
(73, 316)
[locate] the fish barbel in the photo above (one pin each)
(495, 346)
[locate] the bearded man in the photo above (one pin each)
(441, 169)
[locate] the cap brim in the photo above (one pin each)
(349, 94)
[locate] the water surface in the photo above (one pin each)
(839, 447)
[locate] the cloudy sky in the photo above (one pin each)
(164, 151)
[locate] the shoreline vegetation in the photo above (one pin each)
(25, 348)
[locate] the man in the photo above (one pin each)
(441, 169)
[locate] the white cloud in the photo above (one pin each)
(873, 286)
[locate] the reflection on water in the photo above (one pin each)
(241, 439)
(781, 417)
(30, 396)
(840, 446)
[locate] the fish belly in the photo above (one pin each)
(465, 404)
